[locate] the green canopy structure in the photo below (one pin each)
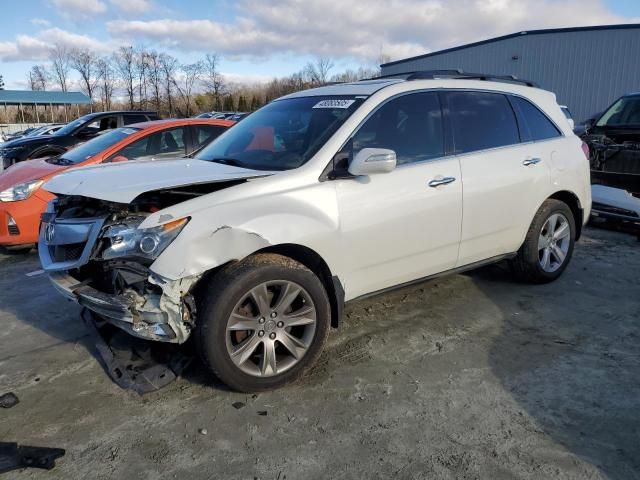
(22, 98)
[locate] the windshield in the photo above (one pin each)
(282, 135)
(71, 126)
(92, 147)
(623, 113)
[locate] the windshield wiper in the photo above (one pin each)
(60, 161)
(227, 161)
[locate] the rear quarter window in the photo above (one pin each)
(535, 124)
(480, 121)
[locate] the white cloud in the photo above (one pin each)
(79, 8)
(40, 22)
(133, 6)
(36, 48)
(363, 29)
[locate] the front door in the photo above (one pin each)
(403, 225)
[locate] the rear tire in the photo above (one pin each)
(48, 151)
(548, 246)
(262, 322)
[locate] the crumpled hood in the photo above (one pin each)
(26, 171)
(123, 182)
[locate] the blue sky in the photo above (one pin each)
(259, 39)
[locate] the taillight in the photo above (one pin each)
(585, 150)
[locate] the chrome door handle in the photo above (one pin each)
(436, 182)
(531, 161)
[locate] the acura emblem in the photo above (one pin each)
(49, 232)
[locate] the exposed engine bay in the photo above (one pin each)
(97, 256)
(615, 160)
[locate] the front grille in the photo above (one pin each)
(601, 207)
(67, 253)
(13, 230)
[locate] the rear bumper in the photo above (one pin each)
(120, 310)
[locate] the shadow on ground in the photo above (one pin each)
(573, 362)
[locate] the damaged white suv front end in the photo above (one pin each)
(99, 252)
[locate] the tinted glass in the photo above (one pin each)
(538, 125)
(87, 150)
(283, 134)
(623, 113)
(129, 119)
(481, 120)
(205, 134)
(410, 125)
(165, 144)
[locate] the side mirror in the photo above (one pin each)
(369, 161)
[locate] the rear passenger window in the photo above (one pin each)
(410, 125)
(481, 120)
(536, 123)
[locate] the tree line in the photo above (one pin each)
(147, 79)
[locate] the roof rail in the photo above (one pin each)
(459, 74)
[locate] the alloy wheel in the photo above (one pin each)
(554, 242)
(271, 328)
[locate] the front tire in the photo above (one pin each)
(262, 322)
(548, 246)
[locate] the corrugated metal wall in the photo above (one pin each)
(587, 70)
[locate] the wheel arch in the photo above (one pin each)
(573, 202)
(314, 262)
(46, 149)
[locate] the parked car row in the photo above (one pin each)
(22, 200)
(235, 116)
(253, 245)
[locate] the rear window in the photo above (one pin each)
(129, 119)
(480, 121)
(536, 124)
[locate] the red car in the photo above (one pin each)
(22, 201)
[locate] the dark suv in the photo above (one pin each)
(77, 131)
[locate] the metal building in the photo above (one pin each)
(587, 67)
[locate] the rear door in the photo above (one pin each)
(402, 225)
(502, 176)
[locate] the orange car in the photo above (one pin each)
(22, 200)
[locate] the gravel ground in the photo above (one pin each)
(468, 376)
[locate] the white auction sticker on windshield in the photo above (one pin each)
(335, 103)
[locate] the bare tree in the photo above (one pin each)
(124, 61)
(154, 75)
(212, 78)
(84, 62)
(168, 67)
(141, 68)
(191, 73)
(60, 63)
(318, 72)
(41, 76)
(106, 79)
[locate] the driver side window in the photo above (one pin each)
(410, 125)
(165, 144)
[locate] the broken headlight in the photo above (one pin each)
(127, 240)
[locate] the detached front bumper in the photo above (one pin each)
(141, 317)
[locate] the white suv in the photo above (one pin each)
(321, 197)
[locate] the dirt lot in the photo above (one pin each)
(470, 376)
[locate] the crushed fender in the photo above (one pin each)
(14, 457)
(132, 363)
